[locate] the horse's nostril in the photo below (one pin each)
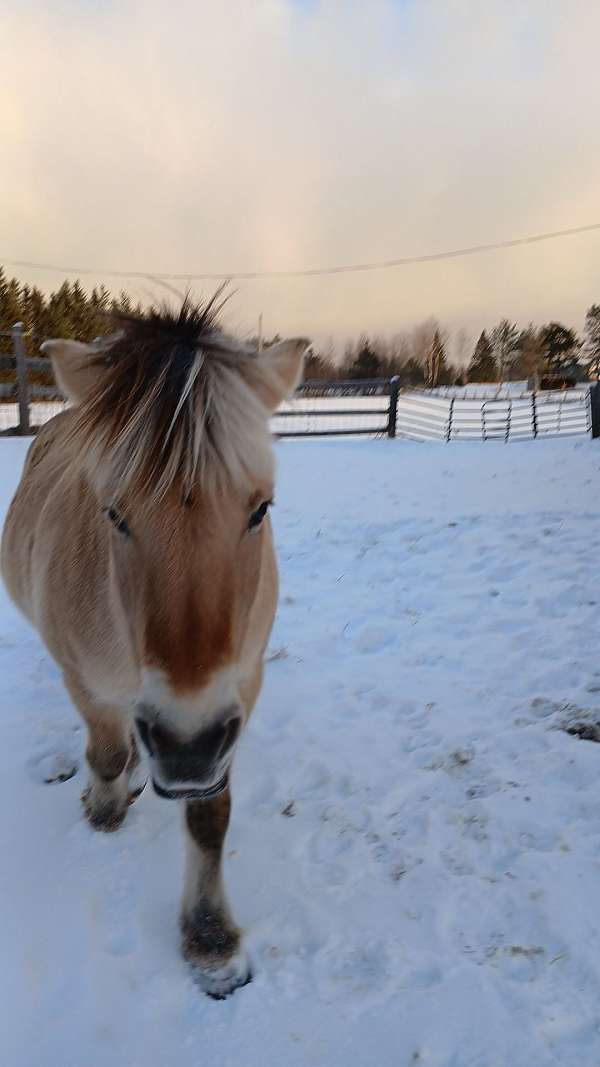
(162, 738)
(232, 729)
(144, 732)
(213, 744)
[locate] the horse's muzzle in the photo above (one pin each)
(195, 767)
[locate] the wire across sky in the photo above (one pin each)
(308, 272)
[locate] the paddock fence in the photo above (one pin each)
(422, 416)
(29, 395)
(376, 407)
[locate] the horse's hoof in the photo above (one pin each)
(106, 819)
(220, 982)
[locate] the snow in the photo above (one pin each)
(415, 846)
(483, 390)
(310, 413)
(503, 390)
(40, 411)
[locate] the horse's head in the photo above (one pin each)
(173, 430)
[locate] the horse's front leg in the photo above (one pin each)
(115, 775)
(211, 941)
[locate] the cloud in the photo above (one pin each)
(279, 134)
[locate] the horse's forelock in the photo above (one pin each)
(174, 403)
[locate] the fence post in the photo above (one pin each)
(508, 418)
(393, 408)
(22, 378)
(450, 417)
(595, 409)
(534, 414)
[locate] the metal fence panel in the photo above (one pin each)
(504, 418)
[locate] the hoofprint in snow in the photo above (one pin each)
(415, 845)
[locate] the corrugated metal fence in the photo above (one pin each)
(424, 416)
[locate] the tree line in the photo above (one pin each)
(69, 311)
(418, 357)
(503, 353)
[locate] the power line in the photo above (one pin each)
(351, 268)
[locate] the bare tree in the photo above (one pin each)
(421, 339)
(461, 348)
(592, 340)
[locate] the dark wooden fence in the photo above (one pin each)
(28, 393)
(340, 408)
(374, 407)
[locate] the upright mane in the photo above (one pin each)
(174, 404)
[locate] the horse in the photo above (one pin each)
(139, 546)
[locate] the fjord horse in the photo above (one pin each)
(139, 545)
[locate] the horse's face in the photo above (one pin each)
(186, 575)
(191, 570)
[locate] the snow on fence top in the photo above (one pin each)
(482, 390)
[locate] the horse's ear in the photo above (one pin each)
(280, 370)
(74, 367)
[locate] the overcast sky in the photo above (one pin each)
(277, 134)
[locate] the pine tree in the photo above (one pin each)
(561, 347)
(80, 314)
(33, 310)
(11, 308)
(529, 360)
(122, 304)
(67, 312)
(3, 287)
(504, 340)
(58, 318)
(367, 363)
(98, 306)
(317, 368)
(412, 372)
(592, 341)
(483, 366)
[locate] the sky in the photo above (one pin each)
(204, 137)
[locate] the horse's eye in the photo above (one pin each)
(119, 523)
(258, 515)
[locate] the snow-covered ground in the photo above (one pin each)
(415, 847)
